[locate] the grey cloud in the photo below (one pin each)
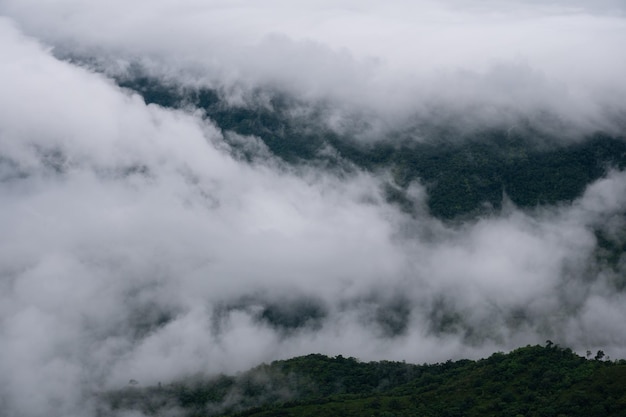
(397, 62)
(136, 247)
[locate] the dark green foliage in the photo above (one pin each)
(292, 315)
(530, 381)
(312, 377)
(473, 174)
(464, 173)
(284, 315)
(152, 90)
(290, 138)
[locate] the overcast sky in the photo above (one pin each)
(134, 246)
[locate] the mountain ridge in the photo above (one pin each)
(529, 381)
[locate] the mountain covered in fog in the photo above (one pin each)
(192, 188)
(464, 172)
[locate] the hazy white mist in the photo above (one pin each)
(134, 246)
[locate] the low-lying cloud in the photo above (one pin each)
(393, 62)
(135, 246)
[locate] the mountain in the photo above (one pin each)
(464, 172)
(529, 381)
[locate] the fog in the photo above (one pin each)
(136, 246)
(483, 61)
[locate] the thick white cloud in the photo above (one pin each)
(112, 209)
(491, 58)
(135, 246)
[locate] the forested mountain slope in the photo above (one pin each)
(465, 172)
(530, 381)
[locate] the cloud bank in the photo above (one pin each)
(135, 246)
(393, 62)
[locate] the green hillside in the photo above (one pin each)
(530, 381)
(464, 172)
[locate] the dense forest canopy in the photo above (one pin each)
(530, 381)
(464, 172)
